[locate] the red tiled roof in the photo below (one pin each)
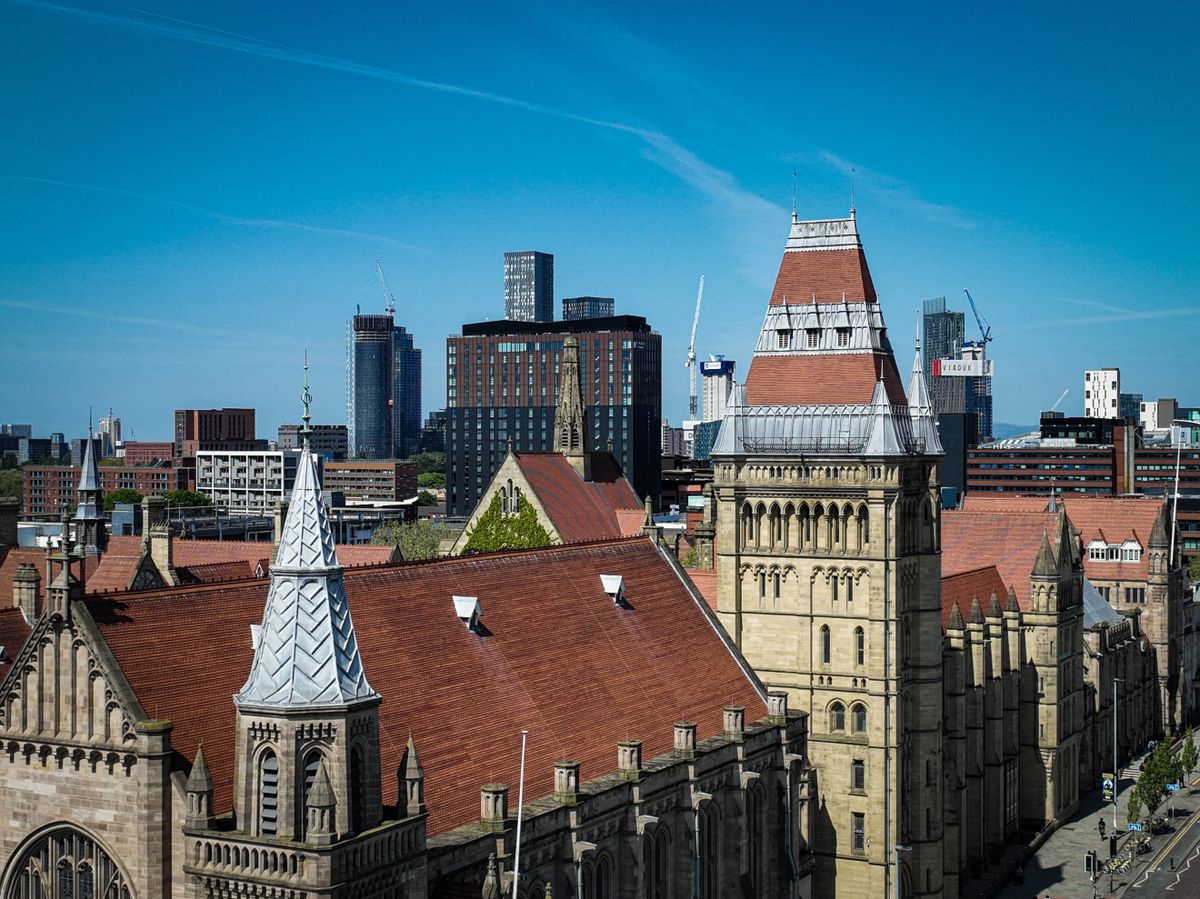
(1010, 541)
(1113, 519)
(582, 510)
(13, 557)
(706, 583)
(560, 659)
(213, 572)
(188, 553)
(811, 379)
(827, 274)
(964, 587)
(13, 634)
(115, 572)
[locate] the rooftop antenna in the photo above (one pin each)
(852, 191)
(306, 399)
(794, 196)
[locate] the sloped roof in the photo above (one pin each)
(825, 379)
(13, 634)
(1113, 519)
(823, 260)
(115, 572)
(1096, 609)
(972, 538)
(979, 583)
(583, 510)
(11, 558)
(559, 659)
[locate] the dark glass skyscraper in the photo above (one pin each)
(529, 286)
(384, 389)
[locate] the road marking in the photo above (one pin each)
(1187, 866)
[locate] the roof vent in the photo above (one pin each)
(468, 610)
(614, 586)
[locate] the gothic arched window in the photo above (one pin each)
(860, 719)
(358, 788)
(826, 645)
(860, 647)
(65, 862)
(710, 854)
(756, 827)
(268, 794)
(837, 717)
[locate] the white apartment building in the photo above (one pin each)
(1102, 393)
(247, 483)
(718, 381)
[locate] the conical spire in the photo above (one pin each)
(1158, 534)
(199, 781)
(955, 621)
(994, 610)
(1046, 564)
(307, 652)
(1010, 602)
(90, 534)
(570, 433)
(975, 616)
(321, 793)
(920, 407)
(320, 811)
(412, 764)
(884, 439)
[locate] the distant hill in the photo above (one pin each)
(1004, 429)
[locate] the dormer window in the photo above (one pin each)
(843, 338)
(813, 336)
(1129, 551)
(784, 339)
(468, 610)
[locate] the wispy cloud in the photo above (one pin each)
(220, 216)
(719, 185)
(1109, 314)
(896, 193)
(136, 321)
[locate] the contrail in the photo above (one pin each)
(227, 40)
(219, 216)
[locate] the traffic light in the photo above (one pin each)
(1090, 864)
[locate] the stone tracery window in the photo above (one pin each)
(65, 863)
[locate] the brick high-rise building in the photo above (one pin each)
(213, 429)
(502, 385)
(529, 286)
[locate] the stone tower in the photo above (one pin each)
(570, 420)
(307, 703)
(1162, 623)
(91, 536)
(828, 526)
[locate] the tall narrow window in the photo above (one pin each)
(860, 647)
(858, 832)
(849, 588)
(755, 810)
(833, 587)
(762, 585)
(826, 645)
(860, 719)
(785, 339)
(357, 788)
(710, 854)
(268, 795)
(837, 717)
(778, 579)
(858, 775)
(312, 762)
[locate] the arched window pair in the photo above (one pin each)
(710, 853)
(858, 717)
(656, 860)
(860, 646)
(598, 878)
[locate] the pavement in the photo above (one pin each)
(1056, 870)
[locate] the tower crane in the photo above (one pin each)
(691, 354)
(387, 294)
(985, 330)
(1062, 397)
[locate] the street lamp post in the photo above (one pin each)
(896, 854)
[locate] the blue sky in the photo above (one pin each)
(192, 194)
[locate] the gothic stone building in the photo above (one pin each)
(253, 738)
(941, 659)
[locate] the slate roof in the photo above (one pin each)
(558, 658)
(972, 538)
(1096, 608)
(979, 583)
(603, 507)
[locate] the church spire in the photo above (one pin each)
(920, 407)
(307, 651)
(570, 423)
(91, 537)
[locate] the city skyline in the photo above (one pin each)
(164, 190)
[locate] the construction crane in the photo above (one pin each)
(387, 294)
(691, 356)
(985, 330)
(1058, 401)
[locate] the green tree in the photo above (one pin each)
(425, 498)
(1194, 568)
(111, 500)
(430, 463)
(1160, 768)
(690, 559)
(495, 531)
(416, 539)
(1189, 755)
(186, 498)
(431, 479)
(10, 482)
(1133, 809)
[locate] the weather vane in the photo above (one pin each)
(306, 398)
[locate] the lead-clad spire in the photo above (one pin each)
(921, 408)
(307, 653)
(90, 534)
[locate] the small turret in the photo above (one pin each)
(414, 780)
(975, 615)
(955, 621)
(994, 612)
(199, 790)
(321, 810)
(1046, 564)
